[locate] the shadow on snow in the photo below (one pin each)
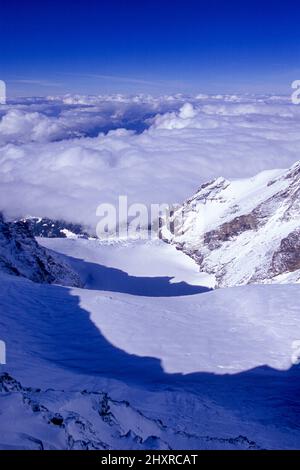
(100, 277)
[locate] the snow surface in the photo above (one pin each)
(181, 368)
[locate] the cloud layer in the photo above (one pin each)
(54, 163)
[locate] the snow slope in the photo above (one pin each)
(180, 369)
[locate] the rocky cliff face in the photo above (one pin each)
(21, 255)
(244, 231)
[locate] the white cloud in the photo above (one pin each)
(45, 172)
(20, 126)
(58, 118)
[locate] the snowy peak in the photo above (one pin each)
(21, 255)
(244, 231)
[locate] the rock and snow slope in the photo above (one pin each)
(119, 369)
(21, 255)
(244, 231)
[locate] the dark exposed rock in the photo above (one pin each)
(287, 257)
(231, 229)
(57, 420)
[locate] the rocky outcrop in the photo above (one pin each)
(49, 228)
(245, 231)
(21, 255)
(287, 257)
(214, 238)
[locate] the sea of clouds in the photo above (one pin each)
(60, 157)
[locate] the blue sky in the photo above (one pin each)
(141, 46)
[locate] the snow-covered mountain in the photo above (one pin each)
(21, 255)
(242, 231)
